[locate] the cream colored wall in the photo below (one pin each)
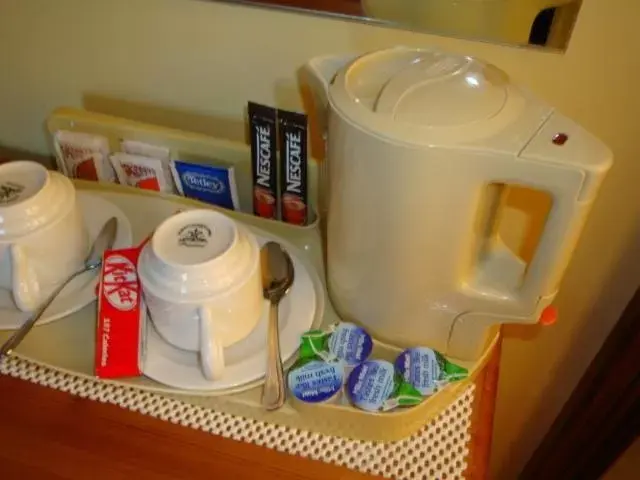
(206, 60)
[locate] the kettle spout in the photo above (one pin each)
(317, 75)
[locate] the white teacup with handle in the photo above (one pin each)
(43, 238)
(201, 279)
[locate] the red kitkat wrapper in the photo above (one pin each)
(121, 316)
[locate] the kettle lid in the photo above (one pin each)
(412, 93)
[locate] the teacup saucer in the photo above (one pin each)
(81, 291)
(245, 360)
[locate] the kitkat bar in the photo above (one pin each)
(293, 167)
(121, 316)
(262, 121)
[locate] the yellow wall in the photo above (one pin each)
(199, 59)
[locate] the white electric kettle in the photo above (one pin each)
(416, 141)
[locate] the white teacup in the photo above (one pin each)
(43, 239)
(201, 280)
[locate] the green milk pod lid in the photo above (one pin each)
(375, 386)
(315, 381)
(350, 343)
(313, 345)
(344, 341)
(427, 370)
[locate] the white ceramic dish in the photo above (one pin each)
(245, 361)
(200, 276)
(43, 239)
(81, 291)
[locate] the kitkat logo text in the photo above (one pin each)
(120, 283)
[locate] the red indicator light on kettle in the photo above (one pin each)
(549, 316)
(560, 138)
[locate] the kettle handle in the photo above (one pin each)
(317, 74)
(497, 271)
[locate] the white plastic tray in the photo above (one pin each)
(68, 344)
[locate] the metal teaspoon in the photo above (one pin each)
(104, 241)
(277, 277)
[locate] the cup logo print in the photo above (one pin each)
(10, 192)
(120, 283)
(194, 235)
